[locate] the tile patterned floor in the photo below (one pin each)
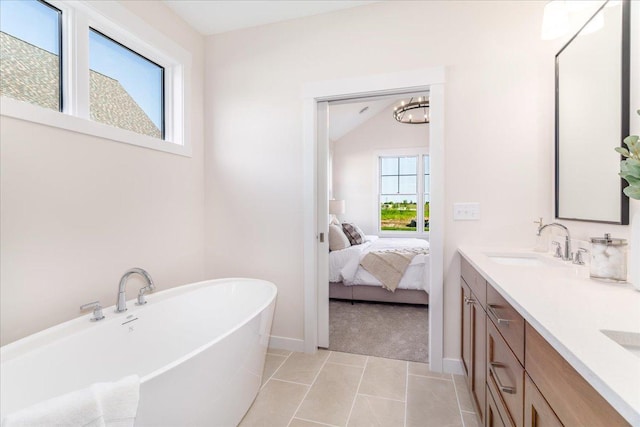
(341, 389)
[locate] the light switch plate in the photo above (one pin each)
(466, 211)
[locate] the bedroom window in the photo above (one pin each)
(403, 197)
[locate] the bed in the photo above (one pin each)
(349, 280)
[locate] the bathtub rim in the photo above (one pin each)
(82, 323)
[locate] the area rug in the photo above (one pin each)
(394, 331)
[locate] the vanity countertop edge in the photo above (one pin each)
(569, 310)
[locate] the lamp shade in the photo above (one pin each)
(336, 207)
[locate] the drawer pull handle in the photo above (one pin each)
(504, 388)
(492, 309)
(469, 301)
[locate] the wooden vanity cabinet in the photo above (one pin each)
(492, 413)
(473, 343)
(537, 412)
(505, 376)
(573, 399)
(516, 378)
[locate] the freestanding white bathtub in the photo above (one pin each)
(198, 349)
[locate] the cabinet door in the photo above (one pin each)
(537, 412)
(465, 345)
(478, 356)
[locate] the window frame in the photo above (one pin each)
(116, 22)
(162, 88)
(420, 154)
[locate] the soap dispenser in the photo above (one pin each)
(608, 258)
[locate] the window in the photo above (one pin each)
(31, 52)
(126, 89)
(426, 191)
(403, 198)
(92, 75)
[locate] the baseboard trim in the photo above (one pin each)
(289, 344)
(452, 366)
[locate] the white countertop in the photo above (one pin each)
(569, 310)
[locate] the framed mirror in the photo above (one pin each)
(592, 118)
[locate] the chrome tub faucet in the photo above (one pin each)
(121, 304)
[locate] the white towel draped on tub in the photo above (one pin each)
(112, 404)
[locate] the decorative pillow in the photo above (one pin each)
(353, 233)
(337, 238)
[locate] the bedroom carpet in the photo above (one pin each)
(394, 331)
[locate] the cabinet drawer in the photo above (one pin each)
(493, 412)
(508, 322)
(475, 281)
(505, 375)
(572, 398)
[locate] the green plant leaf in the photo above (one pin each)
(632, 180)
(632, 192)
(623, 151)
(627, 169)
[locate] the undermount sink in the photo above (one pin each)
(630, 341)
(523, 259)
(519, 259)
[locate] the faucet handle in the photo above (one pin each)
(97, 310)
(142, 291)
(577, 256)
(558, 253)
(540, 222)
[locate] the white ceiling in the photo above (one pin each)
(214, 16)
(346, 115)
(343, 118)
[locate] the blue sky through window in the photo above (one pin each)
(38, 24)
(32, 22)
(141, 78)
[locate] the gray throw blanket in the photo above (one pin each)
(389, 266)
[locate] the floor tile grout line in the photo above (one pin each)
(406, 395)
(383, 398)
(274, 372)
(315, 422)
(455, 389)
(280, 354)
(355, 397)
(347, 364)
(433, 378)
(310, 386)
(290, 382)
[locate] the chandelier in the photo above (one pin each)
(413, 112)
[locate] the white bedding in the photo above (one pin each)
(344, 265)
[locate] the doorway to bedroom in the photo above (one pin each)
(316, 96)
(378, 182)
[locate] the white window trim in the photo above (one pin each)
(401, 152)
(115, 21)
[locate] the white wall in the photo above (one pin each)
(355, 168)
(499, 129)
(77, 211)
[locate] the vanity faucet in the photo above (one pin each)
(566, 254)
(121, 304)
